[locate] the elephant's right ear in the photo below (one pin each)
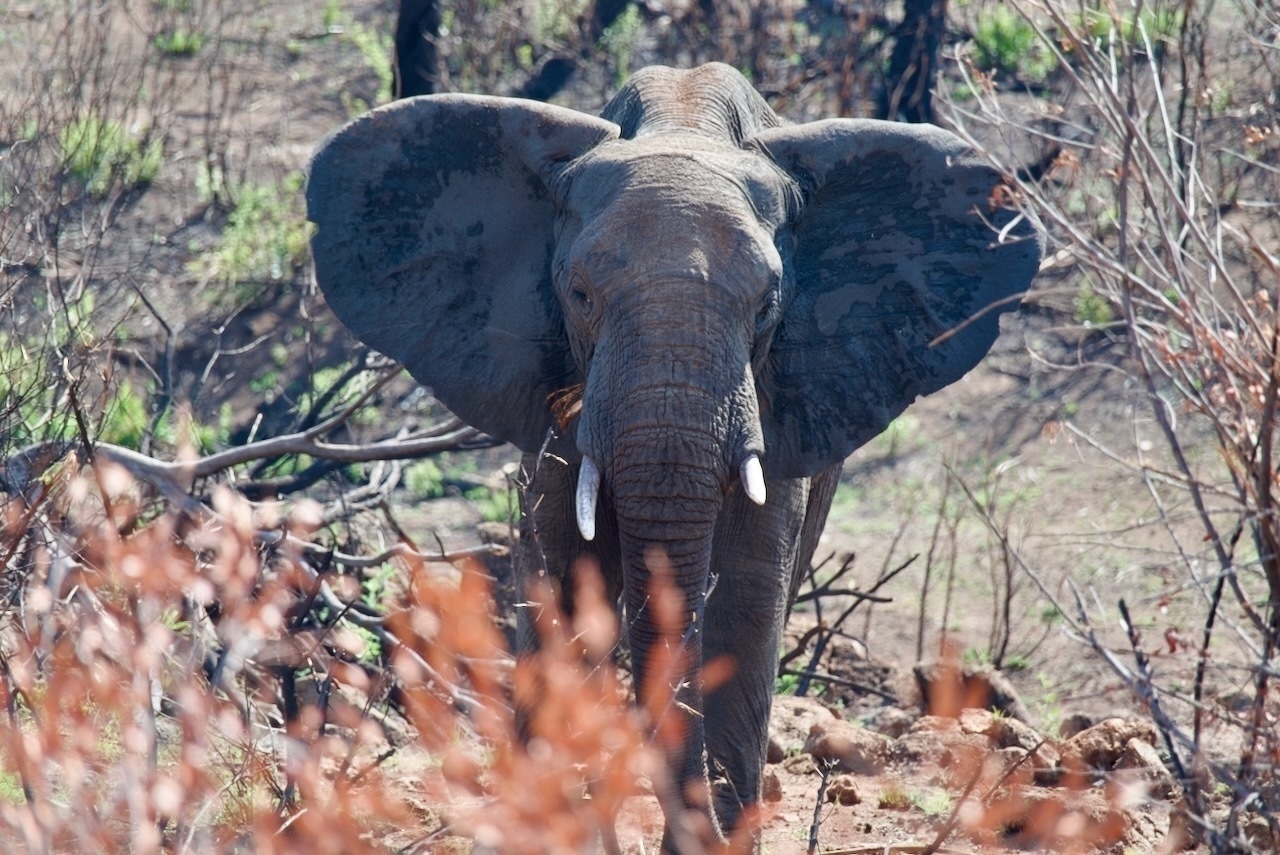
(434, 246)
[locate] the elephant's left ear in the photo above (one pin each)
(906, 251)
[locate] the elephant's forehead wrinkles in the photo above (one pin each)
(692, 245)
(676, 171)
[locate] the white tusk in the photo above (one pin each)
(753, 479)
(588, 490)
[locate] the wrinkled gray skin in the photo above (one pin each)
(719, 284)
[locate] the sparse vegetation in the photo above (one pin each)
(1198, 329)
(264, 241)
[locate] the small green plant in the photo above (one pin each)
(424, 480)
(11, 791)
(27, 412)
(173, 620)
(373, 593)
(554, 20)
(279, 354)
(324, 388)
(204, 438)
(1159, 25)
(894, 797)
(179, 43)
(211, 184)
(125, 419)
(98, 152)
(289, 464)
(371, 651)
(1048, 707)
(374, 588)
(1092, 309)
(933, 802)
(494, 505)
(333, 22)
(786, 684)
(1016, 662)
(1006, 42)
(265, 383)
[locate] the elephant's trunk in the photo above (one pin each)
(662, 537)
(670, 426)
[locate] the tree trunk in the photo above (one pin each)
(416, 60)
(913, 65)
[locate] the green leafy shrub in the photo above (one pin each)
(786, 684)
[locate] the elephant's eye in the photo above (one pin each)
(765, 312)
(580, 294)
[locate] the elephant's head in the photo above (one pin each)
(705, 298)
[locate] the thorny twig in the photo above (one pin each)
(824, 631)
(825, 770)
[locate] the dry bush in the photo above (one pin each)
(191, 681)
(1153, 169)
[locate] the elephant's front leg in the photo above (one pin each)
(755, 555)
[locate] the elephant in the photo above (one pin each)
(686, 313)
